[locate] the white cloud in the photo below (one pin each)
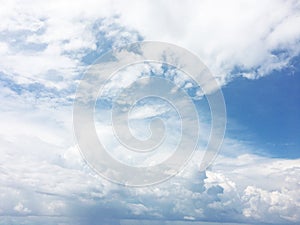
(225, 35)
(63, 33)
(21, 209)
(54, 181)
(42, 172)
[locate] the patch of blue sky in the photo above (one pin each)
(38, 90)
(265, 112)
(18, 40)
(105, 43)
(170, 73)
(6, 82)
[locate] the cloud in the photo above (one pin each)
(21, 209)
(255, 37)
(46, 43)
(47, 180)
(248, 38)
(44, 49)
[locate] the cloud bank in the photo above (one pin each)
(45, 48)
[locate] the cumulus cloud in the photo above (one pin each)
(62, 185)
(247, 38)
(256, 37)
(44, 49)
(43, 175)
(46, 43)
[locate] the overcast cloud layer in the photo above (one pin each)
(45, 48)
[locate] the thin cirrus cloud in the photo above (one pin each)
(45, 48)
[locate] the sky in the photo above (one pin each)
(252, 48)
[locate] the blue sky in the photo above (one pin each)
(267, 111)
(251, 47)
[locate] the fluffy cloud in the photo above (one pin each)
(247, 38)
(60, 184)
(43, 175)
(46, 43)
(44, 49)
